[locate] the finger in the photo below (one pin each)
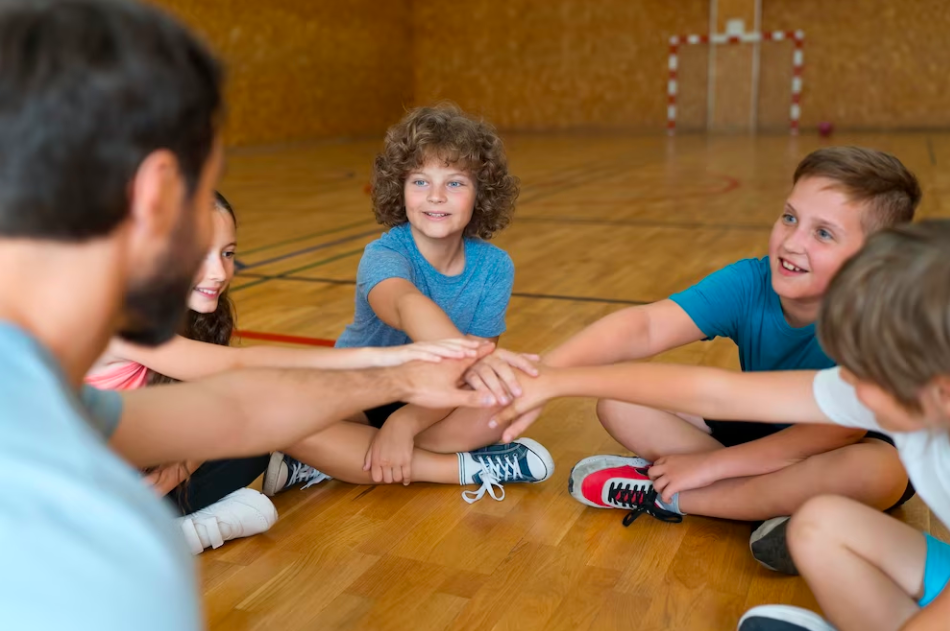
(477, 383)
(377, 473)
(509, 380)
(397, 474)
(520, 425)
(531, 357)
(368, 459)
(388, 475)
(445, 350)
(429, 357)
(467, 399)
(505, 416)
(494, 385)
(519, 361)
(406, 474)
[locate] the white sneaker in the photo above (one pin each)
(522, 460)
(782, 618)
(284, 472)
(243, 513)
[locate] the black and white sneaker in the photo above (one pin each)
(782, 618)
(284, 472)
(770, 548)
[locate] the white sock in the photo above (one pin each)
(468, 467)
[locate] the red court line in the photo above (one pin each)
(283, 339)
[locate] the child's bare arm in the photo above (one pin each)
(401, 305)
(187, 360)
(769, 397)
(632, 333)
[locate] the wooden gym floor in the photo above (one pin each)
(603, 222)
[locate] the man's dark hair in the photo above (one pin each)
(88, 89)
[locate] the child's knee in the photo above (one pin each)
(611, 413)
(816, 523)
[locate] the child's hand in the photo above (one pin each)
(494, 374)
(427, 351)
(525, 410)
(390, 454)
(672, 474)
(165, 478)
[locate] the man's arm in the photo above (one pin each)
(769, 397)
(255, 411)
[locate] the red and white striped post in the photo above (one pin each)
(798, 60)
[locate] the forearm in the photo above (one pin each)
(780, 397)
(598, 344)
(423, 320)
(781, 449)
(244, 413)
(322, 358)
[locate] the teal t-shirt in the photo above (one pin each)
(84, 545)
(738, 302)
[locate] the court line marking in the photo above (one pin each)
(516, 294)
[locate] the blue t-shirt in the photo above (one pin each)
(475, 300)
(738, 302)
(84, 544)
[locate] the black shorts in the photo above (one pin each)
(732, 433)
(377, 416)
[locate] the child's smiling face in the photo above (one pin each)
(440, 199)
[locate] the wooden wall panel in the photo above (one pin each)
(302, 69)
(533, 65)
(871, 64)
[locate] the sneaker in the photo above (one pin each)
(284, 472)
(770, 548)
(619, 482)
(243, 513)
(522, 460)
(782, 618)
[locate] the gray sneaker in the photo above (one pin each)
(770, 548)
(284, 472)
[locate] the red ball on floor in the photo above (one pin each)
(825, 129)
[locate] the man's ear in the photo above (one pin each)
(155, 196)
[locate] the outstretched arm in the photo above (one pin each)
(187, 360)
(768, 397)
(250, 412)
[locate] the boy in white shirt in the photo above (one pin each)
(886, 323)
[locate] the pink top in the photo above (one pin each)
(121, 376)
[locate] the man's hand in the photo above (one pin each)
(440, 385)
(684, 472)
(389, 456)
(496, 374)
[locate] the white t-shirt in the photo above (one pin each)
(925, 453)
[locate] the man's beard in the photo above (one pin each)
(155, 308)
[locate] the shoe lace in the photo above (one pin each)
(641, 499)
(495, 469)
(300, 472)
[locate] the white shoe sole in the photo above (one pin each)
(585, 467)
(270, 486)
(543, 454)
(807, 620)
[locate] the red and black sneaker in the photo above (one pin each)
(618, 482)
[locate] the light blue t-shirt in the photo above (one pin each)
(738, 302)
(475, 300)
(84, 545)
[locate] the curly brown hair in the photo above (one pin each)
(455, 138)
